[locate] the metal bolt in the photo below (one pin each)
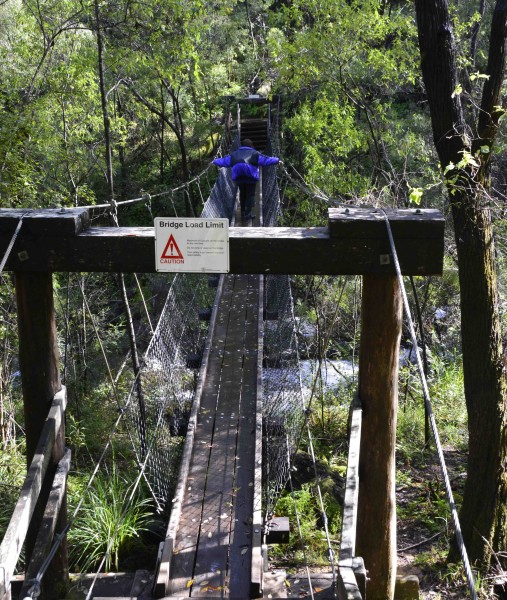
(385, 259)
(23, 255)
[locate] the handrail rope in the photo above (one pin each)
(11, 243)
(148, 196)
(427, 402)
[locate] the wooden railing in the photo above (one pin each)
(38, 472)
(351, 572)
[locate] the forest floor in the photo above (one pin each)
(425, 523)
(424, 528)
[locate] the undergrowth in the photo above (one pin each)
(110, 523)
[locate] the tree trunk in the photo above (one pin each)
(484, 509)
(136, 366)
(483, 513)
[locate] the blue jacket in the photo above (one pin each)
(245, 163)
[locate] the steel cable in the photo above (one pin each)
(429, 409)
(11, 244)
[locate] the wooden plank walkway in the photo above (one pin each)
(212, 548)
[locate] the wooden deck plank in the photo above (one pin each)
(240, 554)
(211, 574)
(183, 559)
(240, 543)
(217, 509)
(207, 550)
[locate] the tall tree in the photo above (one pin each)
(464, 143)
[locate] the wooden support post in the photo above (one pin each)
(381, 319)
(39, 365)
(38, 352)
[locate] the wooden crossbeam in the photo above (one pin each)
(355, 243)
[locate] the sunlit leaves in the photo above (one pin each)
(332, 39)
(326, 129)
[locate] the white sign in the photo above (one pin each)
(192, 245)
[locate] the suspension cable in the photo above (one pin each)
(427, 402)
(148, 196)
(11, 243)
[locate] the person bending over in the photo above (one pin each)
(245, 163)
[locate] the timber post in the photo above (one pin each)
(40, 379)
(39, 362)
(381, 325)
(38, 352)
(381, 321)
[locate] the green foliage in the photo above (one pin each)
(12, 475)
(326, 129)
(108, 520)
(448, 403)
(309, 542)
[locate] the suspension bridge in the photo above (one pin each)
(243, 419)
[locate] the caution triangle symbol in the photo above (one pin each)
(171, 249)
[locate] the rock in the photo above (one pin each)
(407, 587)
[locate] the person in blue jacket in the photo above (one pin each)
(245, 163)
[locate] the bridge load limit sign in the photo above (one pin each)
(192, 245)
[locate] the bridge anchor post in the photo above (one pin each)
(381, 321)
(40, 378)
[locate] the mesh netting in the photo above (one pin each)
(222, 197)
(271, 208)
(282, 395)
(159, 402)
(282, 392)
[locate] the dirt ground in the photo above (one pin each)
(425, 523)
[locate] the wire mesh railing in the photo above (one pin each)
(283, 412)
(158, 419)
